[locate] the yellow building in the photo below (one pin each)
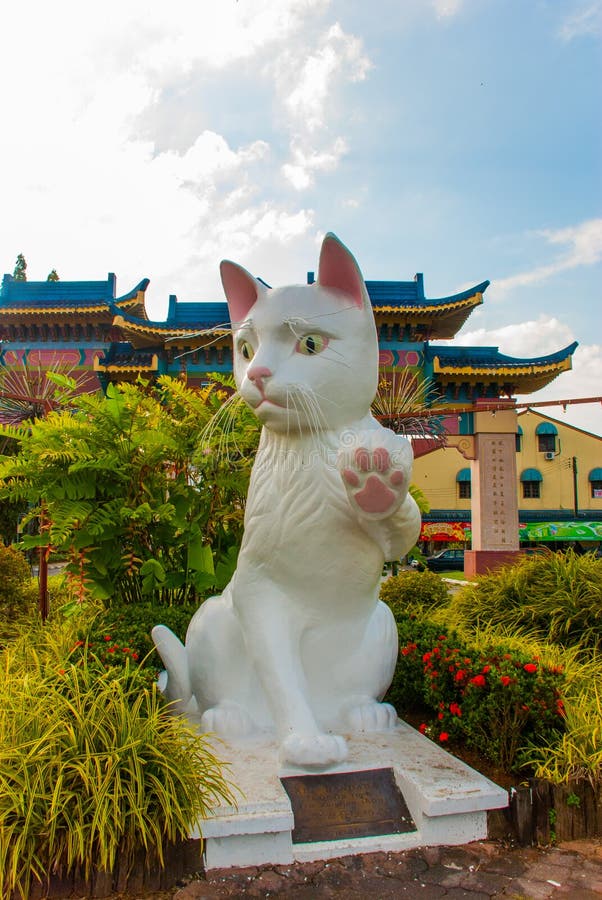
(559, 485)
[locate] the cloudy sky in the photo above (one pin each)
(459, 138)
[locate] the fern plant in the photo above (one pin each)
(137, 489)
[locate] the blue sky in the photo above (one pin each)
(460, 138)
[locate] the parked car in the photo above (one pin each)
(446, 561)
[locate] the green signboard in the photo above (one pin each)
(561, 531)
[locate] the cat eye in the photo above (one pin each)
(311, 344)
(246, 350)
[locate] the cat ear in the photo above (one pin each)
(241, 290)
(338, 269)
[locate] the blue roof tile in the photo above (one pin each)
(55, 293)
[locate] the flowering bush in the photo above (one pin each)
(493, 699)
(128, 629)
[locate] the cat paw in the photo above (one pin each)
(228, 720)
(374, 483)
(313, 749)
(371, 716)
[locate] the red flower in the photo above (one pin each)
(444, 736)
(422, 728)
(107, 637)
(426, 657)
(505, 679)
(134, 656)
(530, 667)
(455, 709)
(479, 680)
(442, 637)
(460, 674)
(486, 669)
(405, 651)
(440, 716)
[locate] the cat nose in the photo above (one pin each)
(256, 374)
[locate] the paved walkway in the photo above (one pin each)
(476, 871)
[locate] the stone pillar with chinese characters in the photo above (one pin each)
(494, 491)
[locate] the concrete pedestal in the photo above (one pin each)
(447, 799)
(480, 562)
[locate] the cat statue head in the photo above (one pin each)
(305, 356)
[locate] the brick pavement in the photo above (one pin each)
(478, 871)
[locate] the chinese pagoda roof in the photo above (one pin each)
(404, 303)
(43, 299)
(394, 302)
(203, 327)
(123, 361)
(487, 365)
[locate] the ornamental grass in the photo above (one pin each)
(93, 768)
(556, 597)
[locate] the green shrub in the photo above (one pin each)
(412, 588)
(128, 626)
(555, 596)
(12, 620)
(487, 695)
(93, 767)
(14, 576)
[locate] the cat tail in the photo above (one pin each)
(174, 683)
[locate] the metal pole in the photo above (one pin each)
(575, 494)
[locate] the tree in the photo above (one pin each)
(19, 273)
(53, 276)
(143, 489)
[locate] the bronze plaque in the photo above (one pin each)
(346, 804)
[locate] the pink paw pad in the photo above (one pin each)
(351, 477)
(378, 484)
(362, 459)
(375, 497)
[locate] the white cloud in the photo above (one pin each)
(83, 191)
(586, 20)
(337, 56)
(305, 163)
(582, 247)
(445, 9)
(525, 339)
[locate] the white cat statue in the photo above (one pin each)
(299, 643)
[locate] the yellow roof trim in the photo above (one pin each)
(55, 310)
(562, 366)
(419, 311)
(153, 367)
(171, 332)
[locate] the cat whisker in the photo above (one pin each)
(315, 418)
(342, 361)
(222, 420)
(305, 320)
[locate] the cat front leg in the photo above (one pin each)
(273, 635)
